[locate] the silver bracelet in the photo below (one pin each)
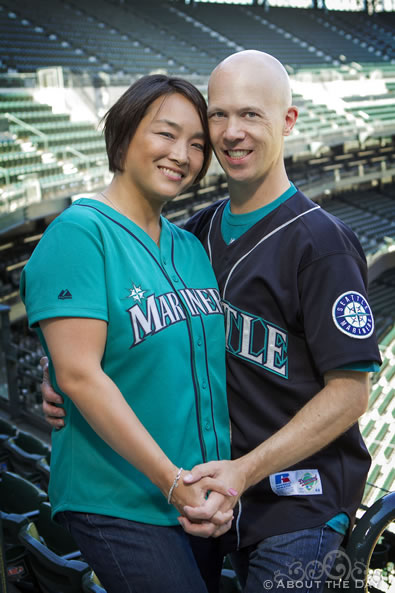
(174, 485)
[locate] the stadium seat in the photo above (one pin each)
(18, 495)
(56, 537)
(24, 451)
(53, 573)
(43, 469)
(15, 554)
(7, 430)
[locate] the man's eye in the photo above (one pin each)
(251, 114)
(166, 134)
(218, 114)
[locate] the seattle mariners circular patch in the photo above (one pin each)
(352, 315)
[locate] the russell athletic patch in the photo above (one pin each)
(301, 482)
(352, 315)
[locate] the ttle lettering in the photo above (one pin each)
(256, 340)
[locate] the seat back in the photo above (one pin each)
(15, 554)
(7, 430)
(56, 537)
(43, 468)
(18, 495)
(53, 573)
(24, 451)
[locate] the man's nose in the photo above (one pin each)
(233, 131)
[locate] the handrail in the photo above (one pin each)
(364, 539)
(23, 124)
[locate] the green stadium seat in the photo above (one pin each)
(24, 451)
(53, 573)
(368, 428)
(387, 400)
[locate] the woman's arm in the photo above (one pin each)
(77, 346)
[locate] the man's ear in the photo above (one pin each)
(290, 119)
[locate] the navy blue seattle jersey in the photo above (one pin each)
(293, 289)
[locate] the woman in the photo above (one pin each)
(127, 309)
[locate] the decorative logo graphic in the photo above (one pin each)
(136, 293)
(65, 294)
(352, 315)
(308, 481)
(300, 482)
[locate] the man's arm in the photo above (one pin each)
(77, 346)
(325, 417)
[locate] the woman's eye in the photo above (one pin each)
(198, 145)
(166, 134)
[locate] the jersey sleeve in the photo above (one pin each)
(337, 319)
(65, 276)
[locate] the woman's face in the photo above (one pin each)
(165, 154)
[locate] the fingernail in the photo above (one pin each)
(233, 492)
(187, 477)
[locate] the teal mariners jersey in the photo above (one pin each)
(165, 352)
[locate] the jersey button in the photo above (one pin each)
(207, 426)
(204, 384)
(199, 342)
(164, 261)
(175, 278)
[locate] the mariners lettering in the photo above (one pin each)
(155, 313)
(256, 340)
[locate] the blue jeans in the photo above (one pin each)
(300, 561)
(131, 557)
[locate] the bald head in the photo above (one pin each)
(257, 67)
(250, 113)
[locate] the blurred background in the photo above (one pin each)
(64, 63)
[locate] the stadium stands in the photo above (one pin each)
(342, 154)
(46, 146)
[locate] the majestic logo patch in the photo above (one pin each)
(352, 315)
(64, 295)
(302, 482)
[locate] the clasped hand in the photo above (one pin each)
(213, 517)
(205, 496)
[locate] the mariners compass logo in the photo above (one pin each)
(136, 293)
(352, 315)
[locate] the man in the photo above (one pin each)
(299, 337)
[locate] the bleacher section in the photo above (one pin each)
(134, 37)
(36, 143)
(377, 423)
(369, 213)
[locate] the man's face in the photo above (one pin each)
(246, 125)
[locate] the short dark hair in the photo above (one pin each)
(122, 119)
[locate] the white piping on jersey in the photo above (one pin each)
(261, 241)
(238, 524)
(209, 231)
